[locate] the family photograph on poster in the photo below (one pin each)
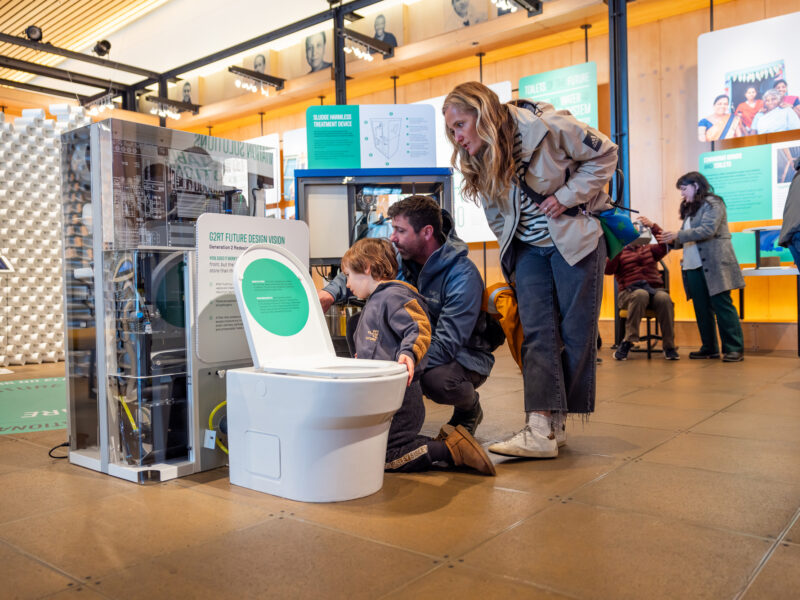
(748, 79)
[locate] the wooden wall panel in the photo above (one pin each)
(663, 113)
(645, 109)
(738, 13)
(678, 70)
(775, 8)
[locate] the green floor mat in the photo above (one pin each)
(33, 405)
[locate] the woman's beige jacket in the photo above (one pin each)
(568, 159)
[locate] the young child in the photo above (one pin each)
(394, 326)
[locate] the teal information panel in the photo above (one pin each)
(371, 136)
(571, 88)
(333, 137)
(743, 178)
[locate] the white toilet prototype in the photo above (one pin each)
(303, 423)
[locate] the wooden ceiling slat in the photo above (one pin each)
(37, 15)
(64, 24)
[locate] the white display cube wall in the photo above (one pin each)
(31, 298)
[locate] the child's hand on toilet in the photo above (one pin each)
(405, 359)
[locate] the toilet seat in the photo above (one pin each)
(283, 320)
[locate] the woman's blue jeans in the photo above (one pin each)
(559, 306)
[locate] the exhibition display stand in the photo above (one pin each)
(759, 271)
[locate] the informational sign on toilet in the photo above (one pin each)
(371, 136)
(221, 239)
(275, 297)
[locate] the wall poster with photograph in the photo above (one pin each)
(385, 25)
(754, 183)
(748, 79)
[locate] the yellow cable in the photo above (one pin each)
(211, 425)
(128, 412)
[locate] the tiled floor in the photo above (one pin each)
(685, 483)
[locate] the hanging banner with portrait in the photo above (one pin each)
(748, 79)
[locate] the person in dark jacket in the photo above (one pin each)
(709, 267)
(790, 230)
(640, 286)
(436, 262)
(394, 326)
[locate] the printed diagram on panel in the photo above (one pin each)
(386, 135)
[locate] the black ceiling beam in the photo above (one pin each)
(370, 42)
(42, 90)
(86, 100)
(276, 82)
(181, 106)
(95, 60)
(327, 15)
(63, 75)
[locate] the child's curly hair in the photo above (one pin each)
(375, 254)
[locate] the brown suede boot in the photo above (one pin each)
(446, 430)
(465, 450)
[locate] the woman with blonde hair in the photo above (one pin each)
(539, 173)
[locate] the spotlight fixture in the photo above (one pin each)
(370, 44)
(253, 81)
(34, 33)
(358, 50)
(166, 107)
(101, 104)
(534, 7)
(102, 47)
(505, 5)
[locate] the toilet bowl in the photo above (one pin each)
(303, 423)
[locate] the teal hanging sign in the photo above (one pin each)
(571, 88)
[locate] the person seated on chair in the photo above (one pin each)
(640, 286)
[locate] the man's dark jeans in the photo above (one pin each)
(452, 384)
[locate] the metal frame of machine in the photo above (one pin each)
(129, 290)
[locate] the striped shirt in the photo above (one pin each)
(532, 225)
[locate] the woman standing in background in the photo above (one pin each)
(709, 267)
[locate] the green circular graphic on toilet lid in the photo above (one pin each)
(275, 297)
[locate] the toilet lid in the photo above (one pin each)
(283, 319)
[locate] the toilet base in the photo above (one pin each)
(310, 439)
